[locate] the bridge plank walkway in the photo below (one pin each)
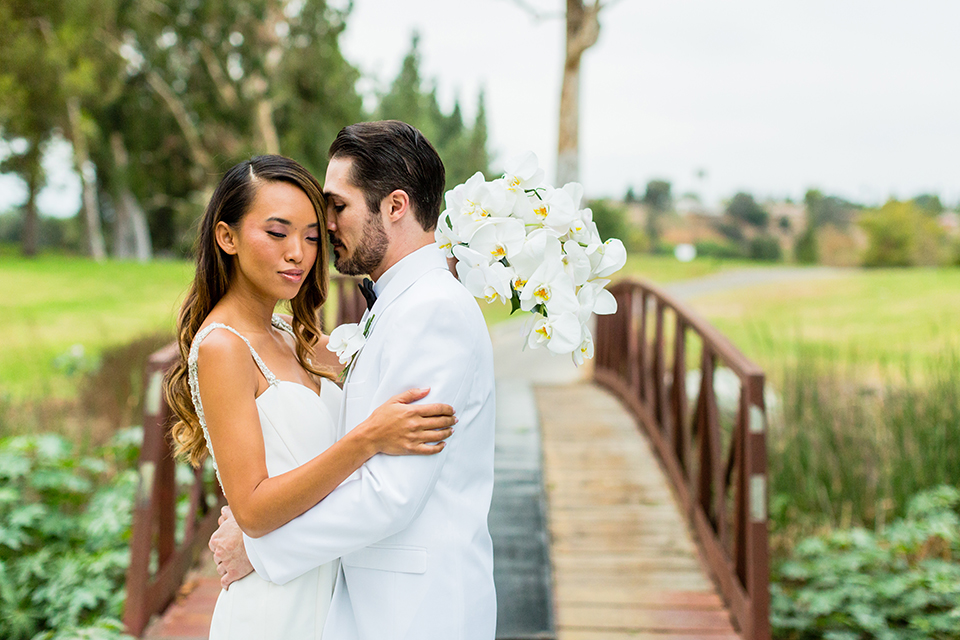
(625, 564)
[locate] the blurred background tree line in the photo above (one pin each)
(158, 98)
(820, 229)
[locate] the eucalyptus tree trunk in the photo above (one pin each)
(91, 212)
(259, 83)
(132, 234)
(583, 29)
(30, 235)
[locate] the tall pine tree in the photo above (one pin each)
(463, 149)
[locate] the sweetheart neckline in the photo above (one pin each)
(297, 384)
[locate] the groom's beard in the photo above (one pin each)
(368, 253)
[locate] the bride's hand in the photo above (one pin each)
(399, 428)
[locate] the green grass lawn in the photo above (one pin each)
(873, 318)
(51, 303)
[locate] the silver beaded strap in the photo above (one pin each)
(194, 378)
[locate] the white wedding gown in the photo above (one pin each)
(297, 425)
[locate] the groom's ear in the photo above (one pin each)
(395, 205)
(226, 238)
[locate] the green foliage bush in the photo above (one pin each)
(764, 247)
(900, 234)
(902, 583)
(712, 249)
(64, 536)
(611, 220)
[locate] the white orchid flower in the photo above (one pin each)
(593, 298)
(482, 277)
(576, 262)
(583, 229)
(540, 246)
(607, 258)
(445, 236)
(559, 334)
(500, 237)
(473, 203)
(523, 172)
(548, 207)
(346, 340)
(550, 286)
(575, 191)
(585, 351)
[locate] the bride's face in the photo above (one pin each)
(276, 244)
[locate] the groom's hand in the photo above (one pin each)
(227, 546)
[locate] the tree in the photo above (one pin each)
(744, 208)
(224, 81)
(33, 97)
(658, 200)
(900, 234)
(929, 203)
(582, 31)
(823, 209)
(658, 195)
(463, 149)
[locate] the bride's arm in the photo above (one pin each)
(228, 385)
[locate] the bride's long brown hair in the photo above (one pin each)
(230, 203)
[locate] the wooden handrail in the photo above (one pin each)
(158, 562)
(652, 384)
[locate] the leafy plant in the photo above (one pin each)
(64, 536)
(855, 584)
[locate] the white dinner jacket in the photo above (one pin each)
(411, 531)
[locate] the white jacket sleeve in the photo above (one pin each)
(428, 346)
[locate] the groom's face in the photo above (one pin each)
(356, 233)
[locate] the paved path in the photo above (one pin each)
(740, 278)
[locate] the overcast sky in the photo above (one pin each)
(860, 98)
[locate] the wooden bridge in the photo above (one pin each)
(655, 492)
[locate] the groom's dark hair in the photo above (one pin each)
(390, 155)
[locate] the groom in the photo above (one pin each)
(411, 531)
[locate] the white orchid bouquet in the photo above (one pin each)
(517, 239)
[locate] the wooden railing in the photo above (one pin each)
(716, 462)
(158, 561)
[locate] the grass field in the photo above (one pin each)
(877, 318)
(50, 304)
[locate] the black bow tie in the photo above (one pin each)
(366, 288)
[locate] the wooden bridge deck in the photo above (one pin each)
(625, 564)
(624, 561)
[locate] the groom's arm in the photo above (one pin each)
(429, 345)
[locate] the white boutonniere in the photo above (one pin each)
(346, 341)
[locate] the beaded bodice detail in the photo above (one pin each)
(192, 373)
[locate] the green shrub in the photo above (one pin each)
(64, 537)
(902, 583)
(610, 218)
(901, 235)
(713, 249)
(765, 247)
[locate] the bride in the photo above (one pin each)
(255, 389)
